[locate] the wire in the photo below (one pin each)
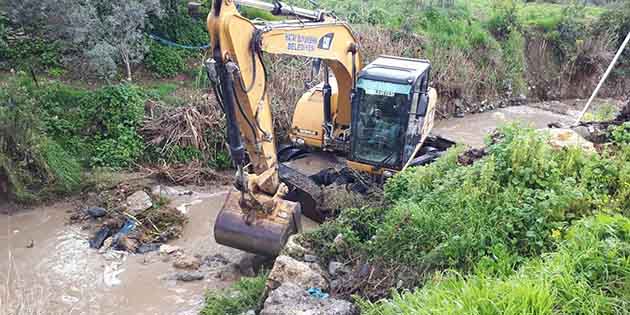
(167, 42)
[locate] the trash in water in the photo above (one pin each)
(127, 227)
(97, 241)
(317, 293)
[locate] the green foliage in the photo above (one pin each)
(243, 296)
(31, 52)
(116, 112)
(514, 203)
(33, 164)
(589, 274)
(621, 134)
(164, 61)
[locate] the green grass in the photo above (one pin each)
(589, 274)
(241, 297)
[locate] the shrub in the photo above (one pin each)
(33, 165)
(514, 203)
(115, 115)
(164, 61)
(243, 296)
(621, 134)
(589, 274)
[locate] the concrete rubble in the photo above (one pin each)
(304, 275)
(291, 299)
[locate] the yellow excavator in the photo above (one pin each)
(376, 117)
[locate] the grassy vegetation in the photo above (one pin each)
(243, 296)
(588, 274)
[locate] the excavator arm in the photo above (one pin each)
(258, 218)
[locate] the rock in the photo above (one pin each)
(187, 262)
(30, 244)
(583, 131)
(335, 267)
(215, 260)
(188, 276)
(291, 299)
(249, 264)
(169, 249)
(563, 138)
(138, 202)
(147, 248)
(229, 273)
(310, 258)
(127, 244)
(287, 269)
(96, 212)
(165, 191)
(293, 248)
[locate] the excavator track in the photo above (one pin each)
(305, 191)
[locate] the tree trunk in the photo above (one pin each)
(125, 57)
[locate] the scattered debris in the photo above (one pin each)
(291, 299)
(138, 202)
(187, 262)
(287, 269)
(166, 249)
(96, 212)
(317, 293)
(103, 233)
(30, 244)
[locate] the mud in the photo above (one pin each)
(59, 274)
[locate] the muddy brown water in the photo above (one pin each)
(47, 267)
(60, 274)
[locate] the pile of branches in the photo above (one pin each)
(200, 127)
(197, 126)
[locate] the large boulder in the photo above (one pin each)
(138, 202)
(306, 276)
(293, 299)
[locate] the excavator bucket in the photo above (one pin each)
(265, 235)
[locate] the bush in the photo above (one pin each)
(33, 165)
(515, 203)
(243, 296)
(115, 114)
(589, 274)
(164, 61)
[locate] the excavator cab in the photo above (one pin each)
(390, 107)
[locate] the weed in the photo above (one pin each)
(241, 297)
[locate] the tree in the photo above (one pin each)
(107, 33)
